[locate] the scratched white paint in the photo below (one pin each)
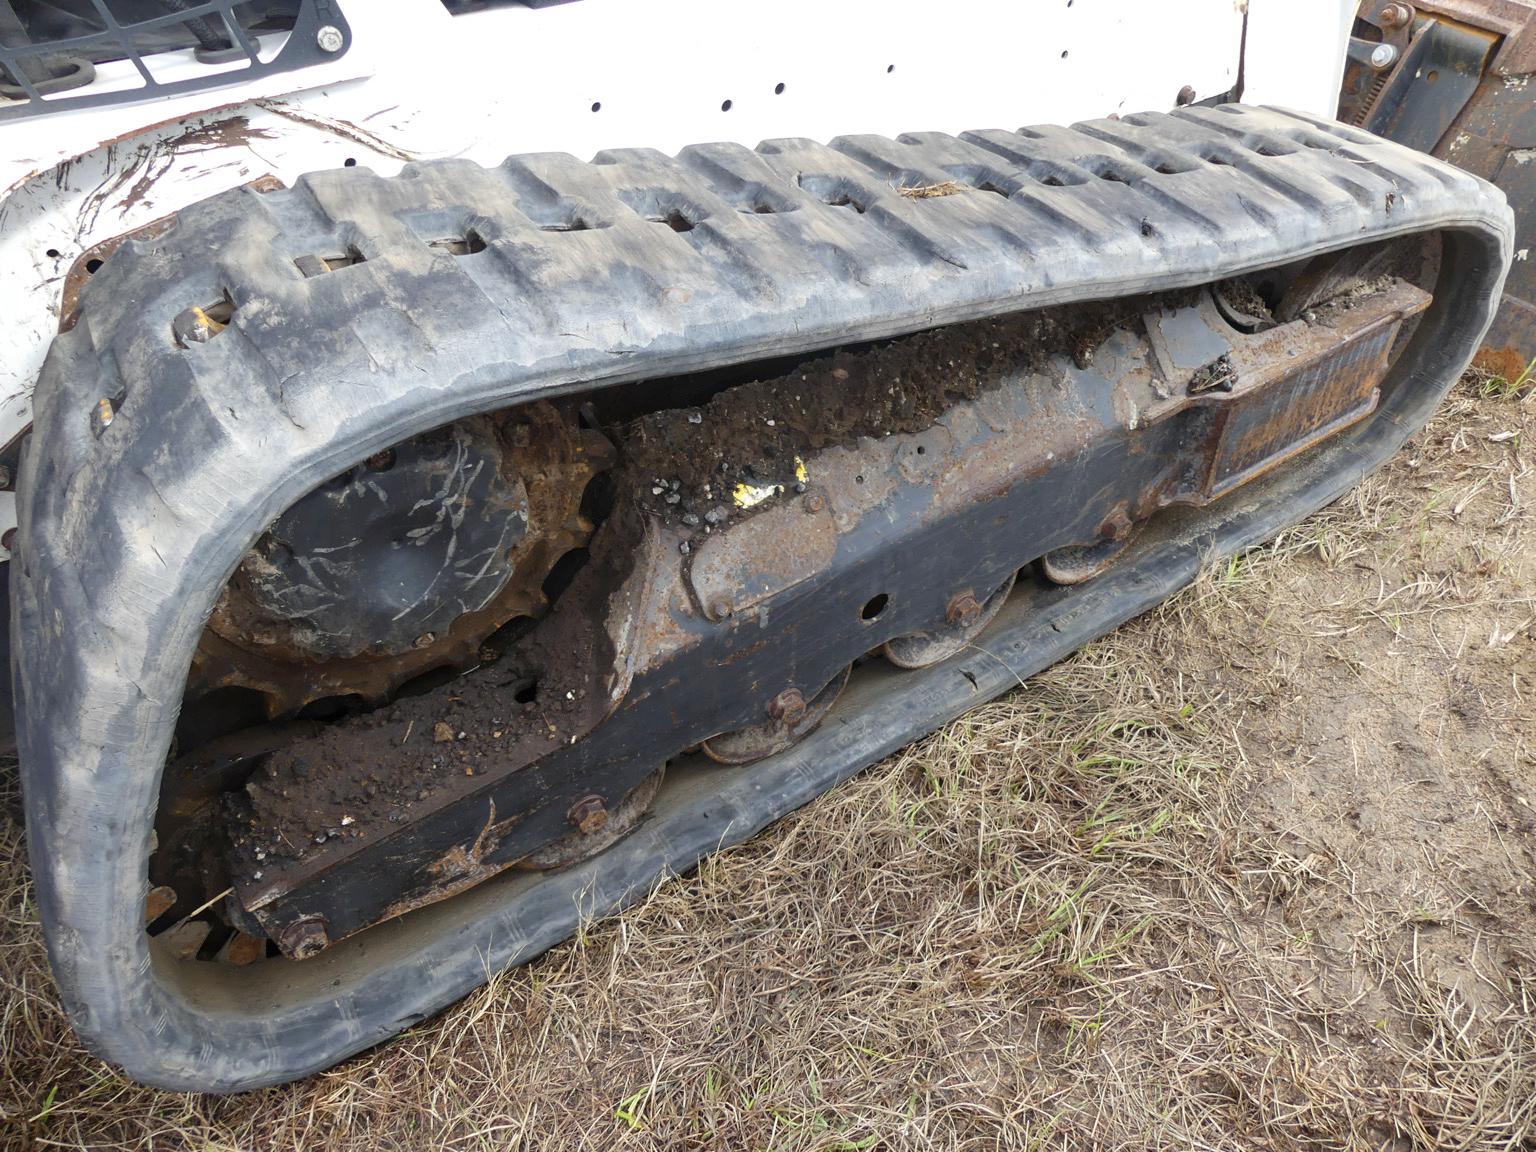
(419, 83)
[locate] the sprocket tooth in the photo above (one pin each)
(555, 462)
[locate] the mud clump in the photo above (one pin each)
(685, 464)
(366, 775)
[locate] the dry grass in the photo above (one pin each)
(1254, 872)
(928, 191)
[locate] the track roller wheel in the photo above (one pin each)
(596, 828)
(791, 718)
(1082, 562)
(966, 618)
(1079, 563)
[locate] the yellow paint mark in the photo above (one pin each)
(750, 495)
(206, 321)
(800, 470)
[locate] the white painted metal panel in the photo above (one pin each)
(1295, 53)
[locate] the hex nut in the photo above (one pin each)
(788, 707)
(589, 815)
(963, 609)
(305, 938)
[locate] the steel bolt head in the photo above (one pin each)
(813, 503)
(788, 707)
(963, 610)
(329, 38)
(1383, 55)
(1395, 15)
(305, 938)
(1186, 96)
(589, 814)
(1117, 525)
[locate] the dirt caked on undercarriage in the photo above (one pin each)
(679, 491)
(751, 548)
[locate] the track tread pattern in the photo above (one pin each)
(635, 265)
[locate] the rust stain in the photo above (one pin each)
(61, 169)
(761, 557)
(343, 128)
(89, 261)
(230, 132)
(1505, 363)
(153, 159)
(158, 158)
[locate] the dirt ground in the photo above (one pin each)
(1253, 872)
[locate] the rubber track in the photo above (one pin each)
(126, 536)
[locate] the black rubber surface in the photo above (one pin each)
(576, 275)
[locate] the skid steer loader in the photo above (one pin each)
(465, 462)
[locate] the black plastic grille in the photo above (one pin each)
(50, 53)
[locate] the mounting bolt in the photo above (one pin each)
(329, 38)
(1395, 15)
(813, 503)
(1382, 56)
(425, 640)
(720, 607)
(788, 707)
(1117, 525)
(589, 815)
(8, 540)
(305, 938)
(1186, 96)
(963, 610)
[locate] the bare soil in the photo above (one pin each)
(1256, 871)
(685, 463)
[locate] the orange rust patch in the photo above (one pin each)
(1505, 362)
